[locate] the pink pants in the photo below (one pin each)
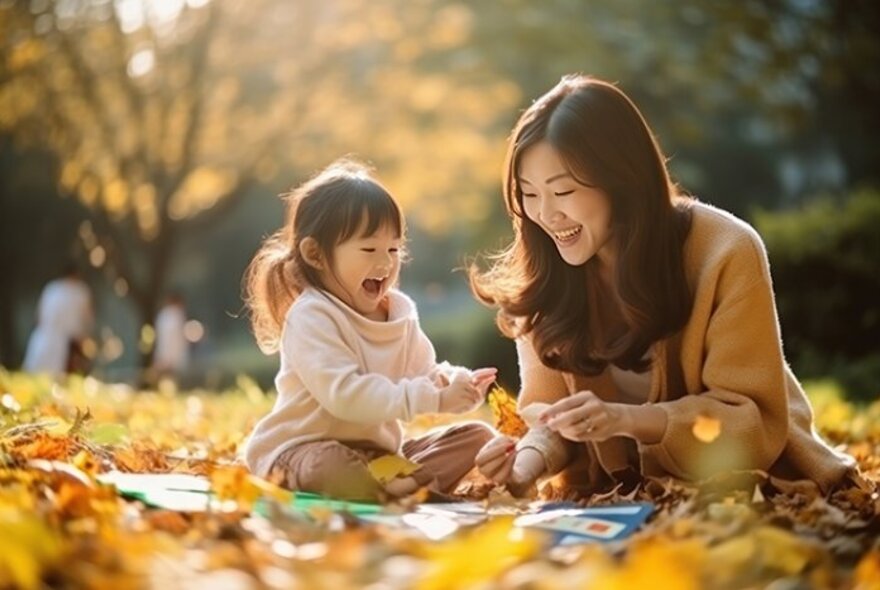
(339, 469)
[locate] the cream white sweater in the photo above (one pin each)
(346, 377)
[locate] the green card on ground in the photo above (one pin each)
(192, 493)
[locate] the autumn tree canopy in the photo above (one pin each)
(163, 115)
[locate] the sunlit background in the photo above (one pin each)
(149, 141)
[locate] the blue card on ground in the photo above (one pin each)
(574, 524)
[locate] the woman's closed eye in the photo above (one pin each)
(557, 193)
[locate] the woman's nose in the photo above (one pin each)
(548, 208)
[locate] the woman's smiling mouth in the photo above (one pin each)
(568, 236)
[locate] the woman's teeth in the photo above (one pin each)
(568, 234)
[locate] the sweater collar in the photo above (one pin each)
(400, 308)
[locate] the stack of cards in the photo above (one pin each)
(574, 524)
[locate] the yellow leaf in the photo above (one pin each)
(867, 575)
(507, 421)
(478, 558)
(706, 429)
(27, 547)
(237, 483)
(676, 565)
(389, 467)
(87, 463)
(784, 551)
(234, 483)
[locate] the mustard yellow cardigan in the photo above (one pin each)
(724, 368)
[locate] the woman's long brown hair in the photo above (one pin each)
(604, 141)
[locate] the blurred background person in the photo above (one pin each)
(171, 355)
(64, 320)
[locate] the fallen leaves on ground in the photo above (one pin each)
(62, 527)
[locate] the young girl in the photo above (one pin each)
(354, 361)
(643, 319)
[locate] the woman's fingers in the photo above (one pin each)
(566, 404)
(574, 416)
(499, 468)
(497, 447)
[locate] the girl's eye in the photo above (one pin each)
(529, 195)
(563, 193)
(394, 250)
(368, 249)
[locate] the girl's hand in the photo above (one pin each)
(584, 416)
(460, 396)
(483, 378)
(499, 461)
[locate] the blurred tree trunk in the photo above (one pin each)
(8, 352)
(9, 277)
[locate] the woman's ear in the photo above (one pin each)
(311, 252)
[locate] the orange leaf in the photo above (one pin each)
(507, 420)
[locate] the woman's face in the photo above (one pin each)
(576, 216)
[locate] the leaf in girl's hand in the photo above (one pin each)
(532, 413)
(389, 467)
(706, 429)
(507, 421)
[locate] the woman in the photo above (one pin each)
(645, 319)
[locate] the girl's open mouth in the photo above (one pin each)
(373, 286)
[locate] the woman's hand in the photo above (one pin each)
(584, 416)
(499, 461)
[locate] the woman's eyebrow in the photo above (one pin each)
(556, 177)
(553, 178)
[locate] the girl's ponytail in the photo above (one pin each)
(270, 286)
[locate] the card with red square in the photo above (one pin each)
(574, 524)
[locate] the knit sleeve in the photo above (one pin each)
(743, 376)
(315, 347)
(540, 383)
